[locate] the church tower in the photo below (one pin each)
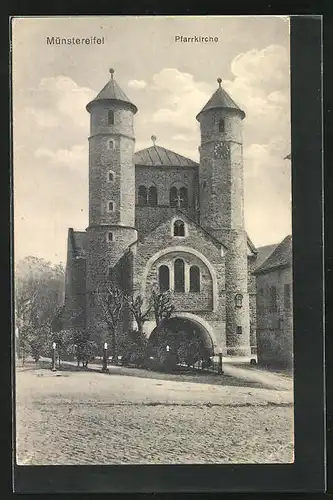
(222, 207)
(111, 187)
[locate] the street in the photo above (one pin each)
(141, 417)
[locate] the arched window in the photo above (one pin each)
(111, 206)
(183, 197)
(152, 196)
(179, 275)
(287, 296)
(173, 196)
(273, 299)
(194, 279)
(178, 228)
(221, 125)
(142, 196)
(164, 278)
(111, 144)
(110, 117)
(110, 237)
(110, 176)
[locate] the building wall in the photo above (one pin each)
(274, 329)
(222, 214)
(73, 314)
(196, 248)
(103, 254)
(164, 178)
(251, 279)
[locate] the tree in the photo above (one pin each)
(111, 299)
(162, 305)
(135, 305)
(38, 294)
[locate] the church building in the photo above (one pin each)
(165, 221)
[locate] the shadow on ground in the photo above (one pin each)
(194, 376)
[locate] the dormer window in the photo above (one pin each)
(110, 117)
(111, 206)
(179, 228)
(221, 125)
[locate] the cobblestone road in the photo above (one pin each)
(92, 418)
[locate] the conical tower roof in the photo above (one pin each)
(112, 92)
(221, 99)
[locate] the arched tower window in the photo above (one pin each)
(183, 197)
(179, 275)
(178, 228)
(173, 196)
(142, 196)
(221, 125)
(194, 279)
(111, 206)
(164, 278)
(111, 176)
(110, 117)
(152, 196)
(273, 299)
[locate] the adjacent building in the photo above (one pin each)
(275, 307)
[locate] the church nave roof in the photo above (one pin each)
(156, 156)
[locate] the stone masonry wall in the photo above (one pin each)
(163, 178)
(74, 305)
(274, 329)
(200, 304)
(222, 213)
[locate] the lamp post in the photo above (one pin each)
(105, 358)
(54, 345)
(220, 367)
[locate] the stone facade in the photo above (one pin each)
(275, 322)
(198, 248)
(134, 241)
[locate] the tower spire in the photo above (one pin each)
(111, 71)
(219, 81)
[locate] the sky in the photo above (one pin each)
(169, 82)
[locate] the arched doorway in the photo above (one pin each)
(183, 339)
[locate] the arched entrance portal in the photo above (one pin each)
(185, 339)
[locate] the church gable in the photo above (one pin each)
(179, 241)
(180, 230)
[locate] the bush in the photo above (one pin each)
(134, 348)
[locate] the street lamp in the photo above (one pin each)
(105, 358)
(54, 345)
(220, 368)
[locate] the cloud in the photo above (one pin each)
(183, 98)
(75, 158)
(261, 87)
(64, 97)
(137, 84)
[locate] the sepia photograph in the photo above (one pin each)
(152, 253)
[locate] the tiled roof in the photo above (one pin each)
(221, 99)
(263, 253)
(156, 156)
(112, 91)
(281, 256)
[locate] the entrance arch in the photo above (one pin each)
(181, 330)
